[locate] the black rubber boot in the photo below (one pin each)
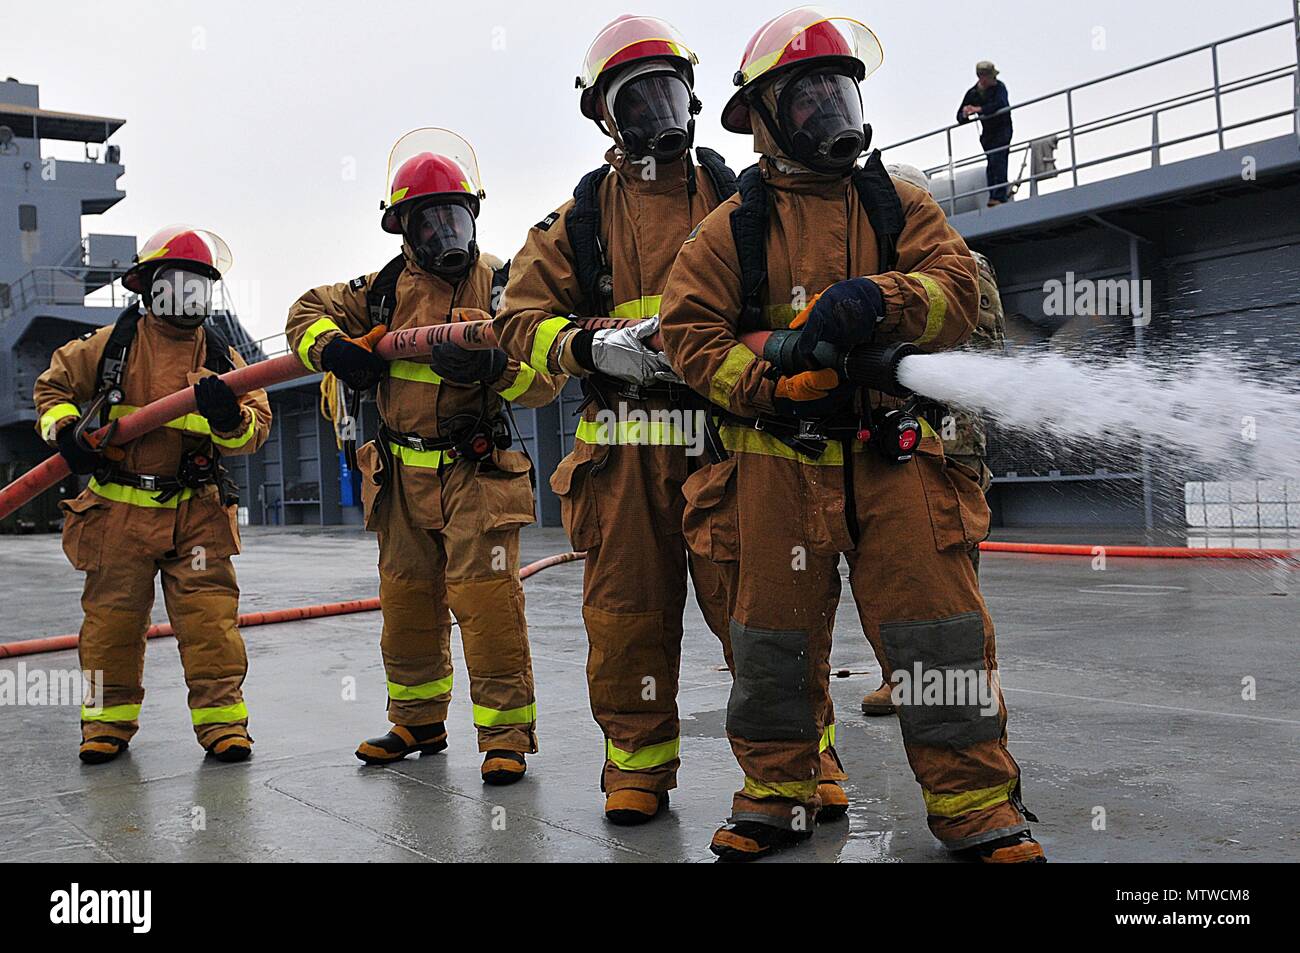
(749, 840)
(1015, 849)
(402, 740)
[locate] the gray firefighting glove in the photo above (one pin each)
(622, 353)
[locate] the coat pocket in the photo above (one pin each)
(507, 491)
(205, 525)
(572, 483)
(959, 514)
(84, 517)
(374, 473)
(710, 521)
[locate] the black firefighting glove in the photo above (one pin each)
(217, 402)
(465, 366)
(844, 315)
(80, 459)
(354, 365)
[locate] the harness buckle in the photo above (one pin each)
(148, 481)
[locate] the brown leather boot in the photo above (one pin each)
(503, 767)
(628, 807)
(835, 802)
(101, 750)
(879, 702)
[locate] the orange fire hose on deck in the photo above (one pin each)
(59, 643)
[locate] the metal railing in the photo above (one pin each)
(66, 285)
(1072, 132)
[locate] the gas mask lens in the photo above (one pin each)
(821, 115)
(442, 238)
(653, 115)
(181, 297)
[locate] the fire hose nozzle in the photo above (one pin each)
(876, 366)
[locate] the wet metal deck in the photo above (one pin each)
(1125, 692)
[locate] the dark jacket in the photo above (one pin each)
(991, 100)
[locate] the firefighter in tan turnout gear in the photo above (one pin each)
(831, 468)
(606, 253)
(965, 441)
(440, 485)
(160, 503)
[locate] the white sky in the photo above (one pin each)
(270, 122)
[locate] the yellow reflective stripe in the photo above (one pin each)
(309, 337)
(938, 307)
(191, 423)
(234, 443)
(134, 496)
(53, 416)
(111, 713)
(651, 756)
(955, 805)
(638, 308)
(654, 433)
(219, 716)
(429, 459)
(543, 339)
(408, 693)
(523, 381)
(491, 717)
(724, 378)
(795, 790)
(398, 195)
(828, 738)
(748, 440)
(780, 315)
(927, 430)
(411, 371)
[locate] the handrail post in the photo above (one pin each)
(952, 173)
(1218, 98)
(1155, 139)
(1296, 29)
(1074, 155)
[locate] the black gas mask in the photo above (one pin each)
(653, 112)
(179, 296)
(442, 238)
(819, 118)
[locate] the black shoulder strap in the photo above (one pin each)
(884, 210)
(113, 361)
(720, 174)
(381, 296)
(583, 225)
(499, 278)
(217, 350)
(749, 230)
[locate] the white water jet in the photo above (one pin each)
(1208, 406)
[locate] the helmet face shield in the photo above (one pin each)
(180, 296)
(427, 162)
(820, 116)
(800, 36)
(441, 236)
(626, 40)
(652, 114)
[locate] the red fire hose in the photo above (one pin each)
(59, 643)
(413, 342)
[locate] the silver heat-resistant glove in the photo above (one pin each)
(622, 353)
